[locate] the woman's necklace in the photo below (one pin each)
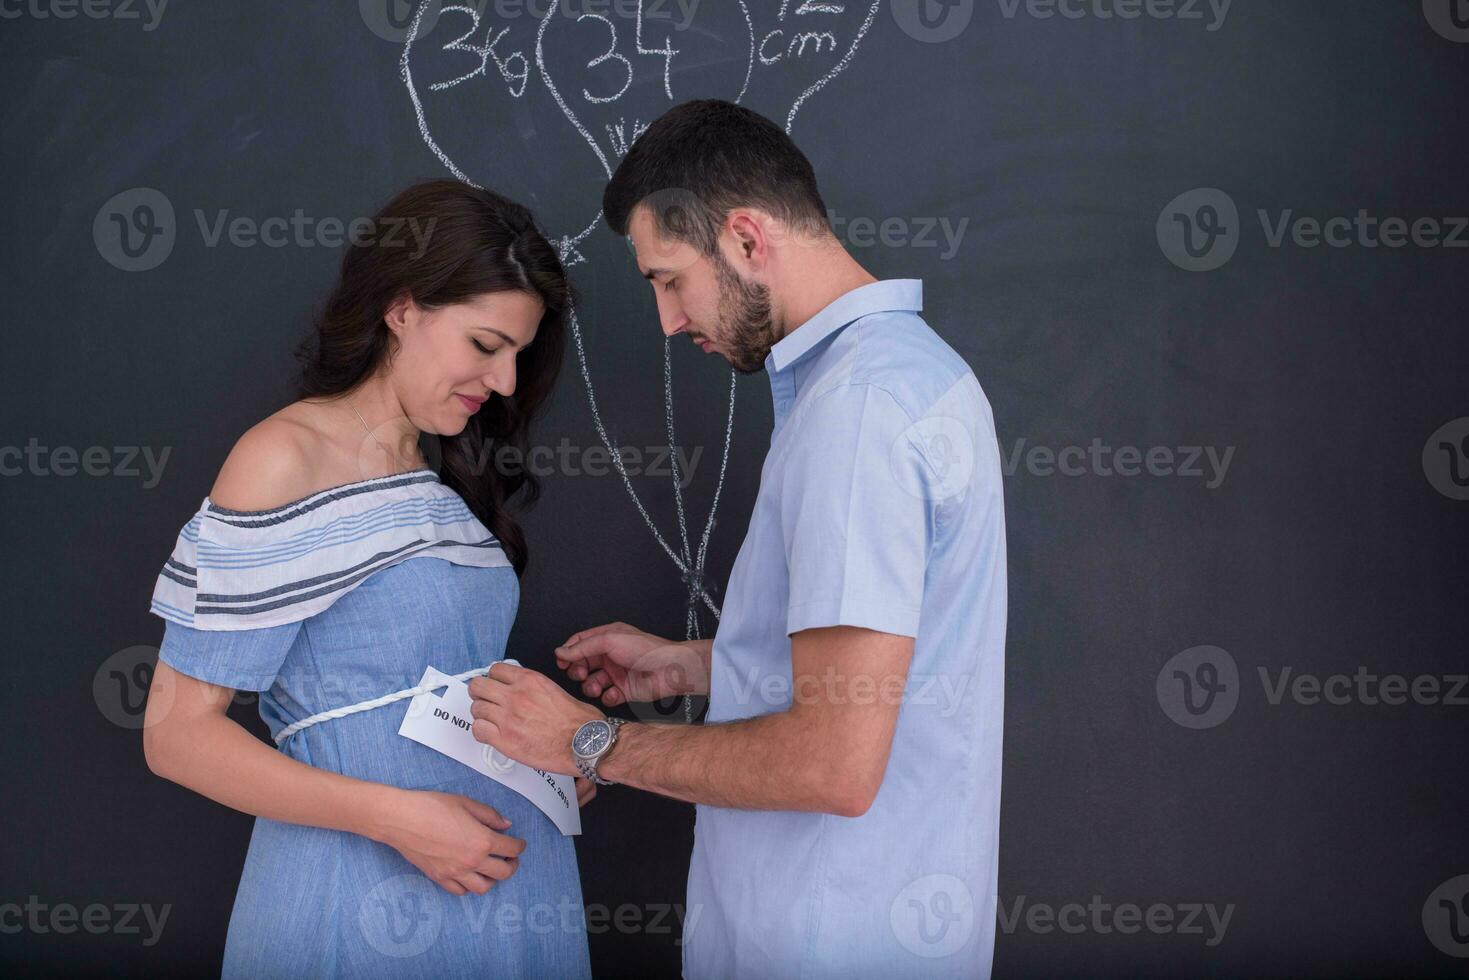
(392, 455)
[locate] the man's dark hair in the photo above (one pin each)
(702, 159)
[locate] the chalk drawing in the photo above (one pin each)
(800, 50)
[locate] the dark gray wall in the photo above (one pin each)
(1066, 154)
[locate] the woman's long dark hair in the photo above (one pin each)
(467, 242)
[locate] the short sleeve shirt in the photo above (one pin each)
(880, 506)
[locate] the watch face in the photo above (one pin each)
(591, 738)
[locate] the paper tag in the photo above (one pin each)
(443, 723)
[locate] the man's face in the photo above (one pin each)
(704, 297)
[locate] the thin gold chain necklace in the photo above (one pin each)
(391, 455)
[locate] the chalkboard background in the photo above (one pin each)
(1108, 274)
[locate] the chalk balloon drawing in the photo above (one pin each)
(494, 94)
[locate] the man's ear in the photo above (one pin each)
(750, 238)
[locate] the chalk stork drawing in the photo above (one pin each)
(493, 89)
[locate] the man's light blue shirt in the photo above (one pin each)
(880, 506)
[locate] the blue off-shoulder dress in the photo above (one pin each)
(339, 597)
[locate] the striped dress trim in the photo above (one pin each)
(240, 570)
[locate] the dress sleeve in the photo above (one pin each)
(239, 584)
(245, 660)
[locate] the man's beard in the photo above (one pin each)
(745, 324)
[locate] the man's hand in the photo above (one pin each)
(826, 753)
(525, 716)
(621, 664)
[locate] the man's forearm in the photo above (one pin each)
(763, 763)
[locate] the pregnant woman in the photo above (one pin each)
(329, 565)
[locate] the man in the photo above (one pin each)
(848, 776)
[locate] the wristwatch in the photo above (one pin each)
(591, 742)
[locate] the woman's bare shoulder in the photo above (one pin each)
(273, 463)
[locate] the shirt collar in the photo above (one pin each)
(875, 297)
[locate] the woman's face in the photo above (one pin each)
(450, 360)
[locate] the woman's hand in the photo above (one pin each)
(457, 842)
(585, 791)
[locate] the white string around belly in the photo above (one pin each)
(352, 709)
